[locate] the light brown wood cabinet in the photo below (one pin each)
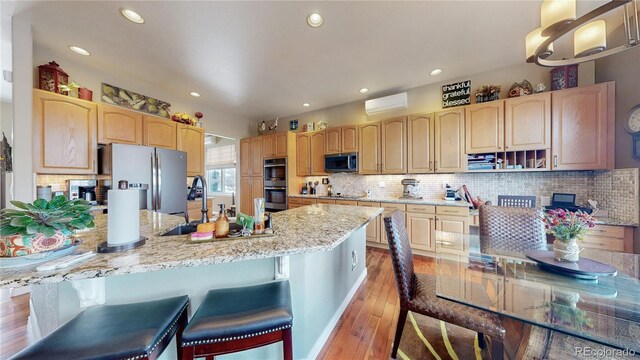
(118, 125)
(275, 145)
(310, 153)
(317, 153)
(369, 148)
(303, 154)
(65, 134)
(608, 237)
(341, 140)
(194, 209)
(257, 188)
(452, 223)
(246, 163)
(373, 228)
(449, 141)
(393, 154)
(527, 122)
(420, 147)
(246, 195)
(257, 159)
(191, 141)
(583, 121)
(484, 127)
(421, 230)
(159, 132)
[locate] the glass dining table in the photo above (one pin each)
(605, 310)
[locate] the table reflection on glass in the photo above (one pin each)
(606, 310)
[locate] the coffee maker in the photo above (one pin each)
(83, 189)
(410, 190)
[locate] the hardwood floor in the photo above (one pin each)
(14, 313)
(364, 331)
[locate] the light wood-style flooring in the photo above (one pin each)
(365, 330)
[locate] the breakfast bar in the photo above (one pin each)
(320, 249)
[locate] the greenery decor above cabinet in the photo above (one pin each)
(159, 132)
(191, 140)
(583, 121)
(118, 125)
(65, 136)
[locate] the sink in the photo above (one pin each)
(180, 230)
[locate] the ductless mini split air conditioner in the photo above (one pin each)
(392, 102)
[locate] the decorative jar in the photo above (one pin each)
(51, 76)
(566, 250)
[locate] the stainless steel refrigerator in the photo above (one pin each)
(163, 170)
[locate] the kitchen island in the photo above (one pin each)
(320, 249)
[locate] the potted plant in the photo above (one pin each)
(567, 227)
(80, 92)
(42, 225)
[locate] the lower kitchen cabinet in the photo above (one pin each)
(251, 187)
(453, 224)
(421, 231)
(373, 228)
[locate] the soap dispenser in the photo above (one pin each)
(222, 224)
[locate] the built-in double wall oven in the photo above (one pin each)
(275, 184)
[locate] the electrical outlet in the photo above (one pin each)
(381, 184)
(354, 260)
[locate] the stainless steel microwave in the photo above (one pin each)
(341, 162)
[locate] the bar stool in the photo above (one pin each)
(236, 319)
(129, 331)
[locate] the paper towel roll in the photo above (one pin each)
(123, 217)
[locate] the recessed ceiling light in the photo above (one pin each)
(364, 90)
(194, 94)
(436, 72)
(314, 20)
(79, 50)
(132, 16)
(306, 104)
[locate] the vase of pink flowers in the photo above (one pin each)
(567, 227)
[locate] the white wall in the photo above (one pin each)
(24, 178)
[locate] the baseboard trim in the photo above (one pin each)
(317, 347)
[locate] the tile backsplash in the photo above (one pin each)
(615, 190)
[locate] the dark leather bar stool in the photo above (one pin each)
(129, 331)
(236, 319)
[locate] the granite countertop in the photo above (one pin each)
(599, 221)
(303, 230)
(425, 201)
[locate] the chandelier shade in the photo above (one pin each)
(590, 38)
(533, 41)
(556, 13)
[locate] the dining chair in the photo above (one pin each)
(417, 293)
(516, 201)
(514, 229)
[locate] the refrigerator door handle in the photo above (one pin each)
(159, 181)
(153, 181)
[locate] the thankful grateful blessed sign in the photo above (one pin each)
(456, 94)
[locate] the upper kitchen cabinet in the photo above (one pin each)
(527, 122)
(191, 141)
(159, 132)
(420, 136)
(310, 153)
(65, 136)
(393, 153)
(118, 125)
(257, 158)
(342, 139)
(369, 148)
(275, 145)
(484, 127)
(449, 141)
(583, 121)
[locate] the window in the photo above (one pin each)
(221, 168)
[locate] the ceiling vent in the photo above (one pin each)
(392, 102)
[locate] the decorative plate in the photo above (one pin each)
(37, 258)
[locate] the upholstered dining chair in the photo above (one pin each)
(417, 293)
(513, 229)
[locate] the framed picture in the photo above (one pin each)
(293, 124)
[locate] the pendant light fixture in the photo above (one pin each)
(558, 18)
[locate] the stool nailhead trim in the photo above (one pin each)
(162, 337)
(209, 341)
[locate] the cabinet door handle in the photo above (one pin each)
(430, 165)
(555, 160)
(93, 167)
(436, 164)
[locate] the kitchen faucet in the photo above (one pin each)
(192, 196)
